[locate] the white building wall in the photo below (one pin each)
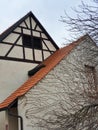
(3, 121)
(52, 92)
(12, 75)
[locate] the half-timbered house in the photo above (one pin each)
(27, 102)
(23, 46)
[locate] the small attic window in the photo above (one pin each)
(32, 42)
(27, 41)
(37, 43)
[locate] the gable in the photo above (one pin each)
(26, 41)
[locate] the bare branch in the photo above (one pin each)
(85, 21)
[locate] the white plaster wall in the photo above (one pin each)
(17, 52)
(49, 44)
(4, 49)
(11, 38)
(3, 121)
(52, 91)
(12, 76)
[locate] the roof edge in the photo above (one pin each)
(11, 28)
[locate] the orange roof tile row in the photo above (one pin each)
(50, 63)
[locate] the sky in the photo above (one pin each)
(48, 12)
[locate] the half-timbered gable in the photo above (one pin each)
(26, 41)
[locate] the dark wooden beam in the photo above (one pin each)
(19, 60)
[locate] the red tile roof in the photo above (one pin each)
(50, 63)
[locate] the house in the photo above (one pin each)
(50, 84)
(23, 46)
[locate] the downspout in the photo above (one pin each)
(16, 116)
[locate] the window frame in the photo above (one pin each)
(91, 73)
(32, 42)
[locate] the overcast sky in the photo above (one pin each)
(48, 13)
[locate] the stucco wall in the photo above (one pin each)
(56, 90)
(3, 121)
(12, 75)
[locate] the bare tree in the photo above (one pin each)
(85, 21)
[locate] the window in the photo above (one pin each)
(91, 75)
(37, 43)
(27, 41)
(32, 42)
